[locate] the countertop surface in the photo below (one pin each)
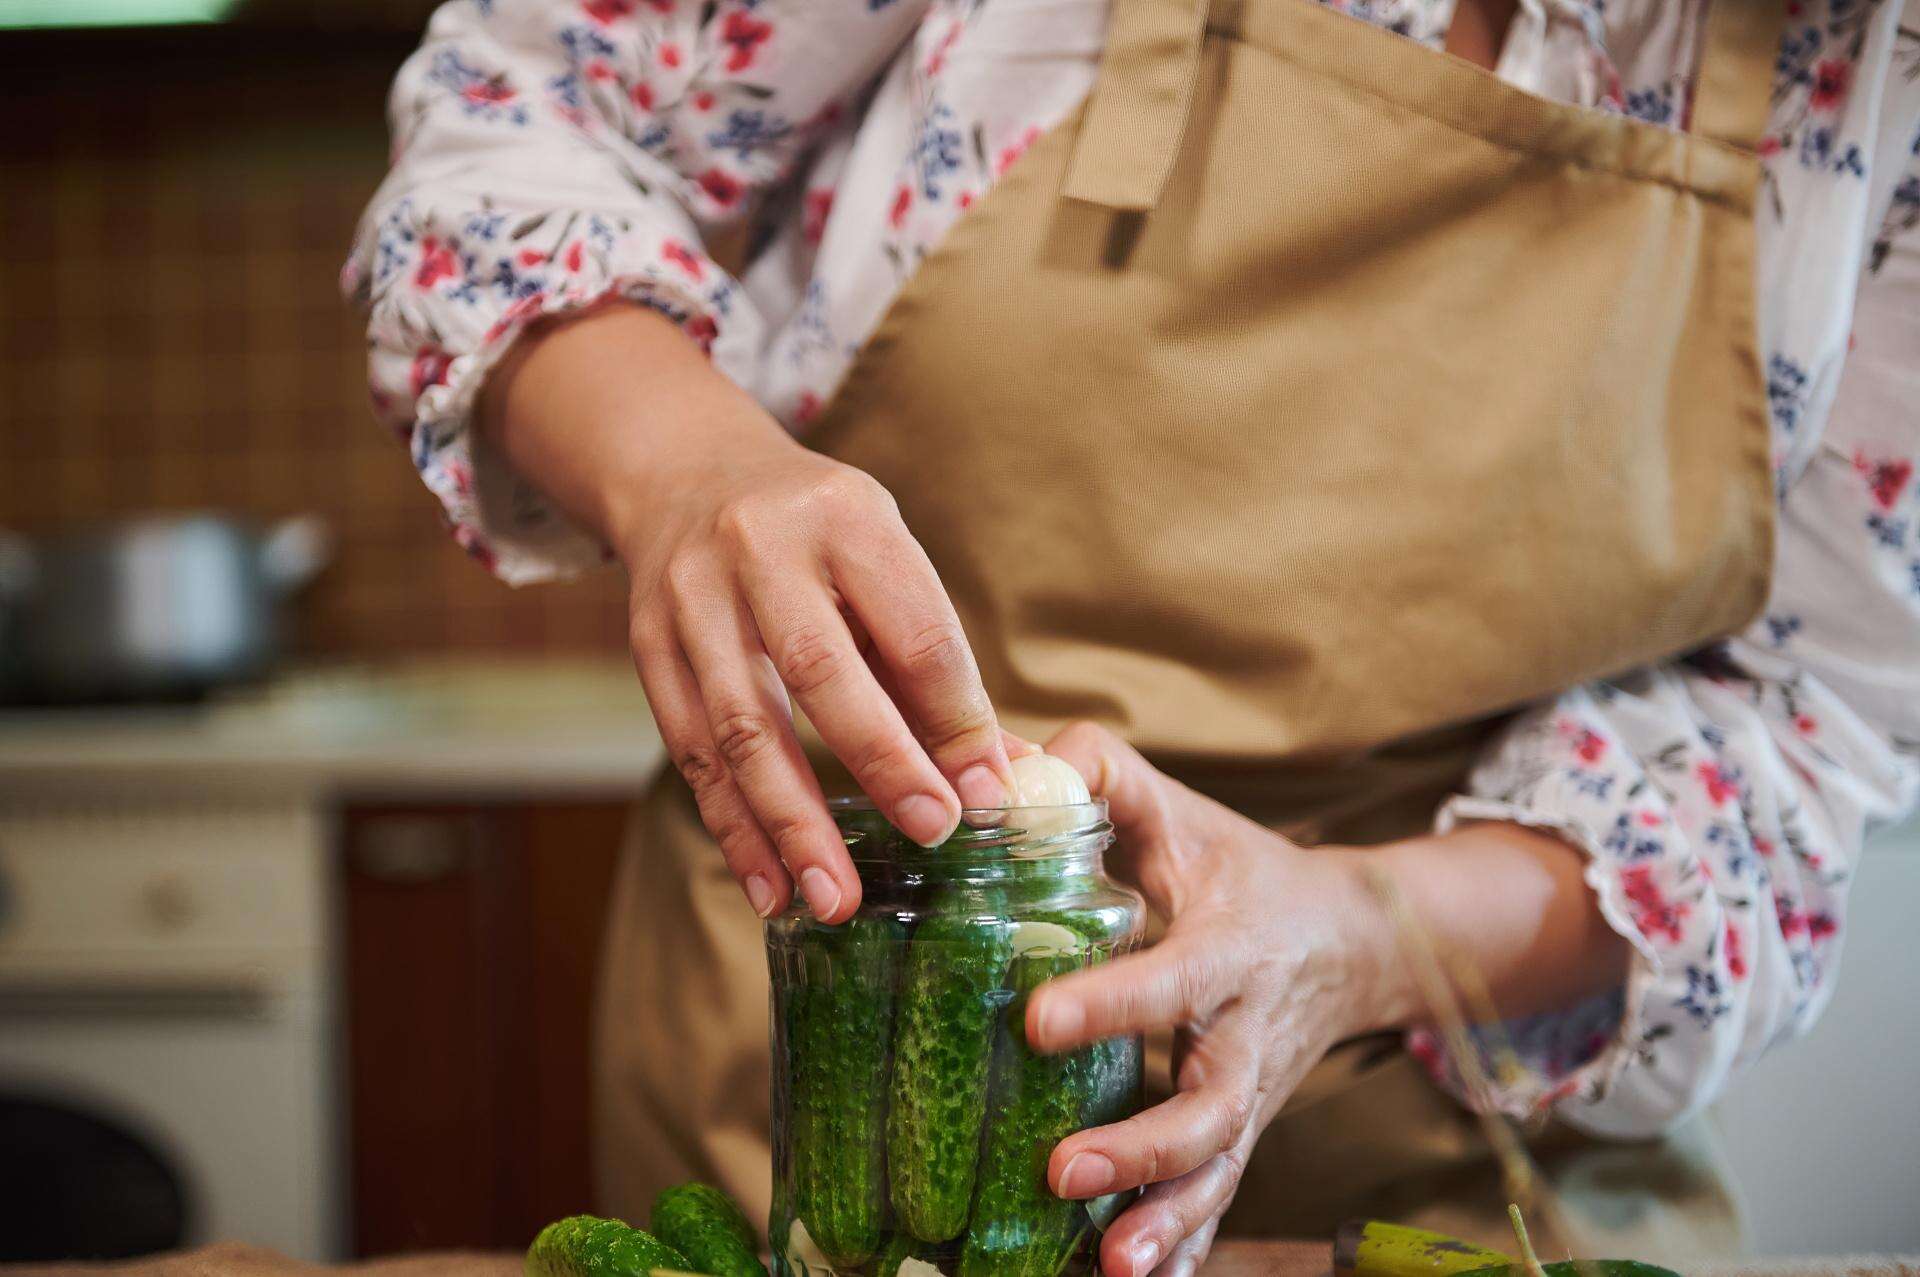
(432, 728)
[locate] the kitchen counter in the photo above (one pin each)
(428, 730)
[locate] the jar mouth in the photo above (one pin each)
(985, 833)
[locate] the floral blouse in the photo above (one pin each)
(549, 153)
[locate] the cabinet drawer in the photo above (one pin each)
(135, 896)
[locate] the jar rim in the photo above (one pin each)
(1026, 833)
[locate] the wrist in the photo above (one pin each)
(1383, 995)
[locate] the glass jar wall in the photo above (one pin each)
(911, 1122)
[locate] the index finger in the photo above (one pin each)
(891, 586)
(1175, 981)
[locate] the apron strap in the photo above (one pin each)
(1733, 94)
(1137, 112)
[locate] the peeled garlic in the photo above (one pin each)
(802, 1253)
(1050, 936)
(913, 1267)
(1041, 780)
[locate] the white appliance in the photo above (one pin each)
(164, 1008)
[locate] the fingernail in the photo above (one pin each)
(1060, 1020)
(1145, 1255)
(923, 818)
(1087, 1175)
(979, 787)
(760, 894)
(821, 891)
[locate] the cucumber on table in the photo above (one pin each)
(949, 1004)
(840, 1031)
(705, 1225)
(587, 1246)
(1018, 1228)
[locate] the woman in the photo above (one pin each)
(1378, 444)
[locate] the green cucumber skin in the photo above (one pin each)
(842, 1026)
(586, 1246)
(705, 1225)
(943, 1050)
(1018, 1227)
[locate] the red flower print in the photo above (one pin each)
(532, 304)
(669, 55)
(677, 253)
(1805, 724)
(743, 34)
(642, 94)
(1763, 845)
(1015, 149)
(819, 203)
(575, 255)
(902, 201)
(1768, 147)
(429, 368)
(965, 201)
(1736, 953)
(1886, 480)
(437, 262)
(1652, 819)
(938, 61)
(1721, 788)
(721, 187)
(468, 538)
(1425, 1050)
(1832, 77)
(489, 92)
(807, 409)
(1653, 913)
(531, 257)
(606, 11)
(1821, 926)
(702, 101)
(702, 330)
(1590, 746)
(598, 70)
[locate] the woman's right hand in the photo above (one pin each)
(766, 570)
(759, 570)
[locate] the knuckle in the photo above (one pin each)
(875, 761)
(741, 737)
(847, 487)
(700, 767)
(1233, 1113)
(788, 830)
(809, 660)
(683, 575)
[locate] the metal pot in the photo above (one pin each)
(161, 607)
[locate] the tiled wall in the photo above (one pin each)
(174, 208)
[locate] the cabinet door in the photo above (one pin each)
(471, 939)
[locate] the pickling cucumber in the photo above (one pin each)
(705, 1225)
(841, 1027)
(949, 1004)
(587, 1246)
(1018, 1228)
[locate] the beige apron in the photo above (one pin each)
(1302, 403)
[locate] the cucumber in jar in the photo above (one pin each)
(949, 1004)
(840, 1021)
(1017, 1227)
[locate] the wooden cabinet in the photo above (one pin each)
(470, 939)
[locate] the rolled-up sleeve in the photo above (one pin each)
(549, 156)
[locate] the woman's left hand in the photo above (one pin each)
(1273, 953)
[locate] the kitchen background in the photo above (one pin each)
(308, 962)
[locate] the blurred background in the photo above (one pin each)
(305, 822)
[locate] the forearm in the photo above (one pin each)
(1510, 901)
(607, 410)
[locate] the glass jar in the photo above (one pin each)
(911, 1124)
